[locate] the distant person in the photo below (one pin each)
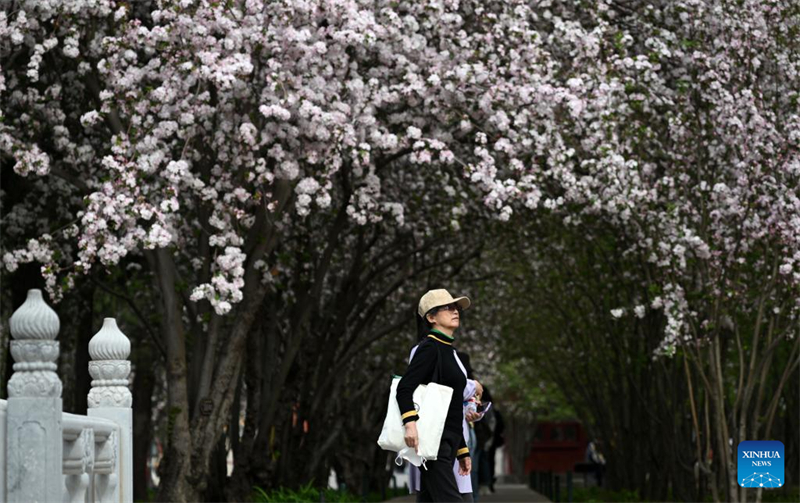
(498, 440)
(594, 456)
(484, 432)
(434, 360)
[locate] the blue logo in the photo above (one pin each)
(760, 463)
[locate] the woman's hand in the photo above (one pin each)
(412, 438)
(478, 390)
(464, 466)
(472, 416)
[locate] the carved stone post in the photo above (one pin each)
(110, 398)
(34, 445)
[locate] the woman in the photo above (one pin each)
(465, 483)
(435, 361)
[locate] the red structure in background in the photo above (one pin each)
(556, 447)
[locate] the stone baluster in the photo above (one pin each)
(34, 443)
(78, 464)
(106, 487)
(110, 398)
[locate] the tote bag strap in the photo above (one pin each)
(437, 371)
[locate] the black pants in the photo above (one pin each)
(437, 484)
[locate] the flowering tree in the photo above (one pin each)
(185, 136)
(683, 134)
(324, 359)
(570, 345)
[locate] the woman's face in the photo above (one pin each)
(446, 317)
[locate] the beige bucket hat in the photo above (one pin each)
(440, 297)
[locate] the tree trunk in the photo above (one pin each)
(218, 474)
(723, 454)
(175, 485)
(143, 385)
(206, 430)
(240, 485)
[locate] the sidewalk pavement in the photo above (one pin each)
(506, 493)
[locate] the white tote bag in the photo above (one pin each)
(432, 414)
(392, 436)
(432, 401)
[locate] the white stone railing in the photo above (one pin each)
(47, 455)
(90, 455)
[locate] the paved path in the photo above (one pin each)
(506, 493)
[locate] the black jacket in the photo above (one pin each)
(422, 370)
